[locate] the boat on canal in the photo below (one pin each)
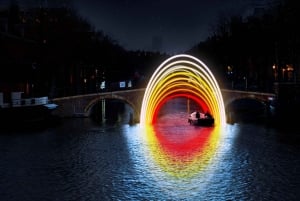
(25, 111)
(201, 119)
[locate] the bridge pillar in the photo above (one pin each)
(103, 109)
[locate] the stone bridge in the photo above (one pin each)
(230, 96)
(81, 105)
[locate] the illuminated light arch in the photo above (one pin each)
(186, 76)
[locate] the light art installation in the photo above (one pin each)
(182, 151)
(182, 76)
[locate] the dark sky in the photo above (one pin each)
(170, 26)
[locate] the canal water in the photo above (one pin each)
(81, 159)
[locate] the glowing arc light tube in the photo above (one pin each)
(175, 73)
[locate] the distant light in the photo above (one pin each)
(129, 84)
(102, 85)
(122, 84)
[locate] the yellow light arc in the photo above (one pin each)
(183, 74)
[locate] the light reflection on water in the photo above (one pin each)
(81, 160)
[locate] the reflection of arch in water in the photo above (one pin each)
(185, 76)
(186, 155)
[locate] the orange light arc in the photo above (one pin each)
(186, 76)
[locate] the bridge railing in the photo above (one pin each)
(98, 88)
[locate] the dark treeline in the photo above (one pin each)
(261, 49)
(56, 52)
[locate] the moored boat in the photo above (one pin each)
(25, 111)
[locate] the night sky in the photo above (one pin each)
(167, 25)
(170, 26)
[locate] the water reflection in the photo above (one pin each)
(83, 160)
(182, 150)
(236, 162)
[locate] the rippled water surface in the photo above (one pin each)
(82, 160)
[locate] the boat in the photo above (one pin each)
(25, 111)
(201, 119)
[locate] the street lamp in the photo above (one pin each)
(230, 74)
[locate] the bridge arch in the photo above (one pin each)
(89, 106)
(233, 95)
(235, 99)
(251, 100)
